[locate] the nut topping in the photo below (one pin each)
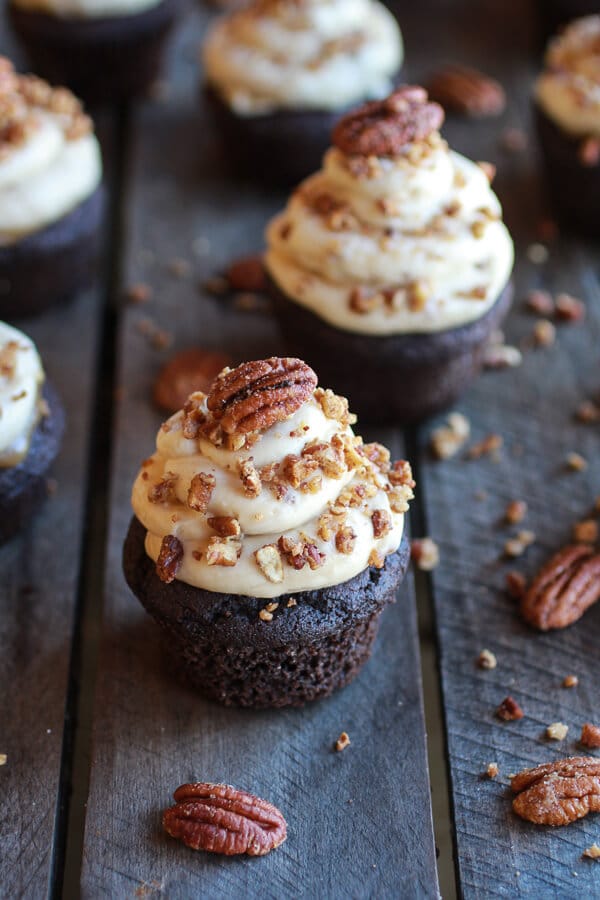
(385, 127)
(256, 395)
(564, 588)
(169, 559)
(558, 793)
(269, 562)
(222, 819)
(202, 486)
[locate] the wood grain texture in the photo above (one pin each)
(359, 821)
(532, 407)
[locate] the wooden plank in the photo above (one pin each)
(532, 408)
(360, 821)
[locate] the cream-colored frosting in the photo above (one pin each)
(87, 9)
(314, 54)
(568, 90)
(420, 233)
(46, 177)
(21, 376)
(264, 519)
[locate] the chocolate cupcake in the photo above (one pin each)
(279, 74)
(390, 266)
(31, 428)
(267, 537)
(104, 50)
(50, 195)
(567, 110)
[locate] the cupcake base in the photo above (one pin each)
(220, 646)
(50, 266)
(23, 488)
(101, 60)
(393, 379)
(574, 188)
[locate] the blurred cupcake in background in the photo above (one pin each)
(104, 50)
(50, 194)
(567, 111)
(279, 74)
(556, 14)
(390, 267)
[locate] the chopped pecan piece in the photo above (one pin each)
(376, 559)
(202, 486)
(401, 474)
(465, 90)
(398, 498)
(425, 554)
(269, 562)
(225, 526)
(447, 440)
(487, 660)
(222, 819)
(590, 735)
(169, 559)
(257, 394)
(380, 457)
(382, 523)
(223, 551)
(345, 539)
(564, 588)
(342, 742)
(193, 416)
(250, 478)
(515, 511)
(559, 792)
(329, 457)
(298, 469)
(334, 406)
(164, 490)
(557, 731)
(509, 710)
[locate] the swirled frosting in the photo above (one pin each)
(301, 505)
(86, 9)
(303, 54)
(401, 243)
(21, 376)
(49, 157)
(568, 90)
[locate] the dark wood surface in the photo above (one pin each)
(96, 730)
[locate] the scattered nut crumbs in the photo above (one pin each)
(490, 445)
(516, 584)
(492, 770)
(447, 440)
(501, 356)
(342, 742)
(537, 254)
(592, 852)
(570, 681)
(158, 337)
(588, 412)
(540, 302)
(291, 602)
(576, 462)
(425, 554)
(517, 545)
(569, 308)
(544, 333)
(509, 710)
(487, 660)
(590, 736)
(3, 759)
(515, 511)
(265, 615)
(586, 532)
(557, 731)
(138, 293)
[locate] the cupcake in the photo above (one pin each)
(279, 74)
(555, 14)
(50, 194)
(390, 266)
(105, 50)
(267, 538)
(567, 110)
(31, 428)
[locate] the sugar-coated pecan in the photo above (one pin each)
(564, 588)
(382, 522)
(590, 735)
(225, 526)
(509, 710)
(202, 486)
(559, 792)
(465, 90)
(169, 559)
(164, 490)
(385, 127)
(186, 372)
(258, 394)
(219, 818)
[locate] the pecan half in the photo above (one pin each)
(257, 394)
(385, 127)
(169, 559)
(559, 792)
(563, 589)
(465, 90)
(219, 818)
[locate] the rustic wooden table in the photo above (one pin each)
(96, 733)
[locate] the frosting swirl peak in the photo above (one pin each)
(298, 504)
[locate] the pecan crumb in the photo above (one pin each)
(509, 710)
(540, 302)
(169, 559)
(425, 554)
(586, 532)
(516, 584)
(569, 308)
(490, 445)
(342, 742)
(517, 545)
(592, 852)
(447, 440)
(570, 681)
(487, 660)
(265, 615)
(492, 770)
(501, 356)
(223, 551)
(251, 483)
(557, 731)
(515, 511)
(576, 462)
(269, 562)
(590, 735)
(201, 489)
(138, 293)
(291, 602)
(544, 333)
(588, 412)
